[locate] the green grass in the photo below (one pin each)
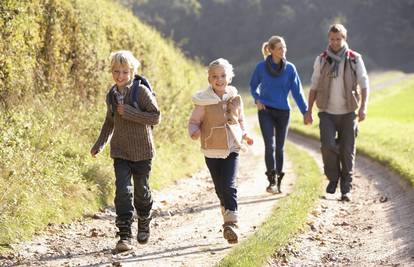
(287, 217)
(387, 134)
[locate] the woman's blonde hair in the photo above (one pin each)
(228, 68)
(125, 58)
(270, 44)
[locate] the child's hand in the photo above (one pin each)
(94, 152)
(196, 135)
(248, 139)
(120, 108)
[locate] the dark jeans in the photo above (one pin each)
(274, 126)
(337, 134)
(127, 196)
(224, 172)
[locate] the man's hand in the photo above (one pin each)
(362, 113)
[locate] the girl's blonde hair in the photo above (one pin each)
(123, 58)
(270, 44)
(228, 68)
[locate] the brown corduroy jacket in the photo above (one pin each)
(131, 134)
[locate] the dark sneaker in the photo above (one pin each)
(230, 232)
(124, 244)
(143, 229)
(279, 181)
(346, 197)
(331, 188)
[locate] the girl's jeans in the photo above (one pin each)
(224, 172)
(128, 196)
(274, 126)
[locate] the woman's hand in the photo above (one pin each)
(259, 105)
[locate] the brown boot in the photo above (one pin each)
(230, 232)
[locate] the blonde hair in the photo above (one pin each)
(125, 58)
(337, 27)
(270, 44)
(228, 68)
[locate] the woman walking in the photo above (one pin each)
(270, 84)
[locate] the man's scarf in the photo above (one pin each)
(336, 59)
(280, 67)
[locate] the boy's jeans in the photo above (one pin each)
(126, 196)
(224, 172)
(337, 134)
(274, 123)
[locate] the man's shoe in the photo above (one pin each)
(230, 232)
(346, 197)
(143, 229)
(124, 244)
(331, 188)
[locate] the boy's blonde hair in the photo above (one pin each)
(228, 68)
(125, 57)
(270, 44)
(338, 28)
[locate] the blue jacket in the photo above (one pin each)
(273, 91)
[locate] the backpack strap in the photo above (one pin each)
(136, 87)
(352, 58)
(110, 100)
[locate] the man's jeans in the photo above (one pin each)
(337, 134)
(274, 125)
(224, 172)
(128, 196)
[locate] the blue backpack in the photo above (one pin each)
(138, 80)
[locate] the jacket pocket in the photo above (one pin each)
(217, 139)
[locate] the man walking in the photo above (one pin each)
(340, 87)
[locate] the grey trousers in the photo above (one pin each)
(337, 135)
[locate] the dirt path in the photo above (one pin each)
(375, 229)
(186, 229)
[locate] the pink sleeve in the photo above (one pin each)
(241, 117)
(196, 119)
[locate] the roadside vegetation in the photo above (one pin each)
(287, 218)
(53, 79)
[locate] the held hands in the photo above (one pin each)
(307, 117)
